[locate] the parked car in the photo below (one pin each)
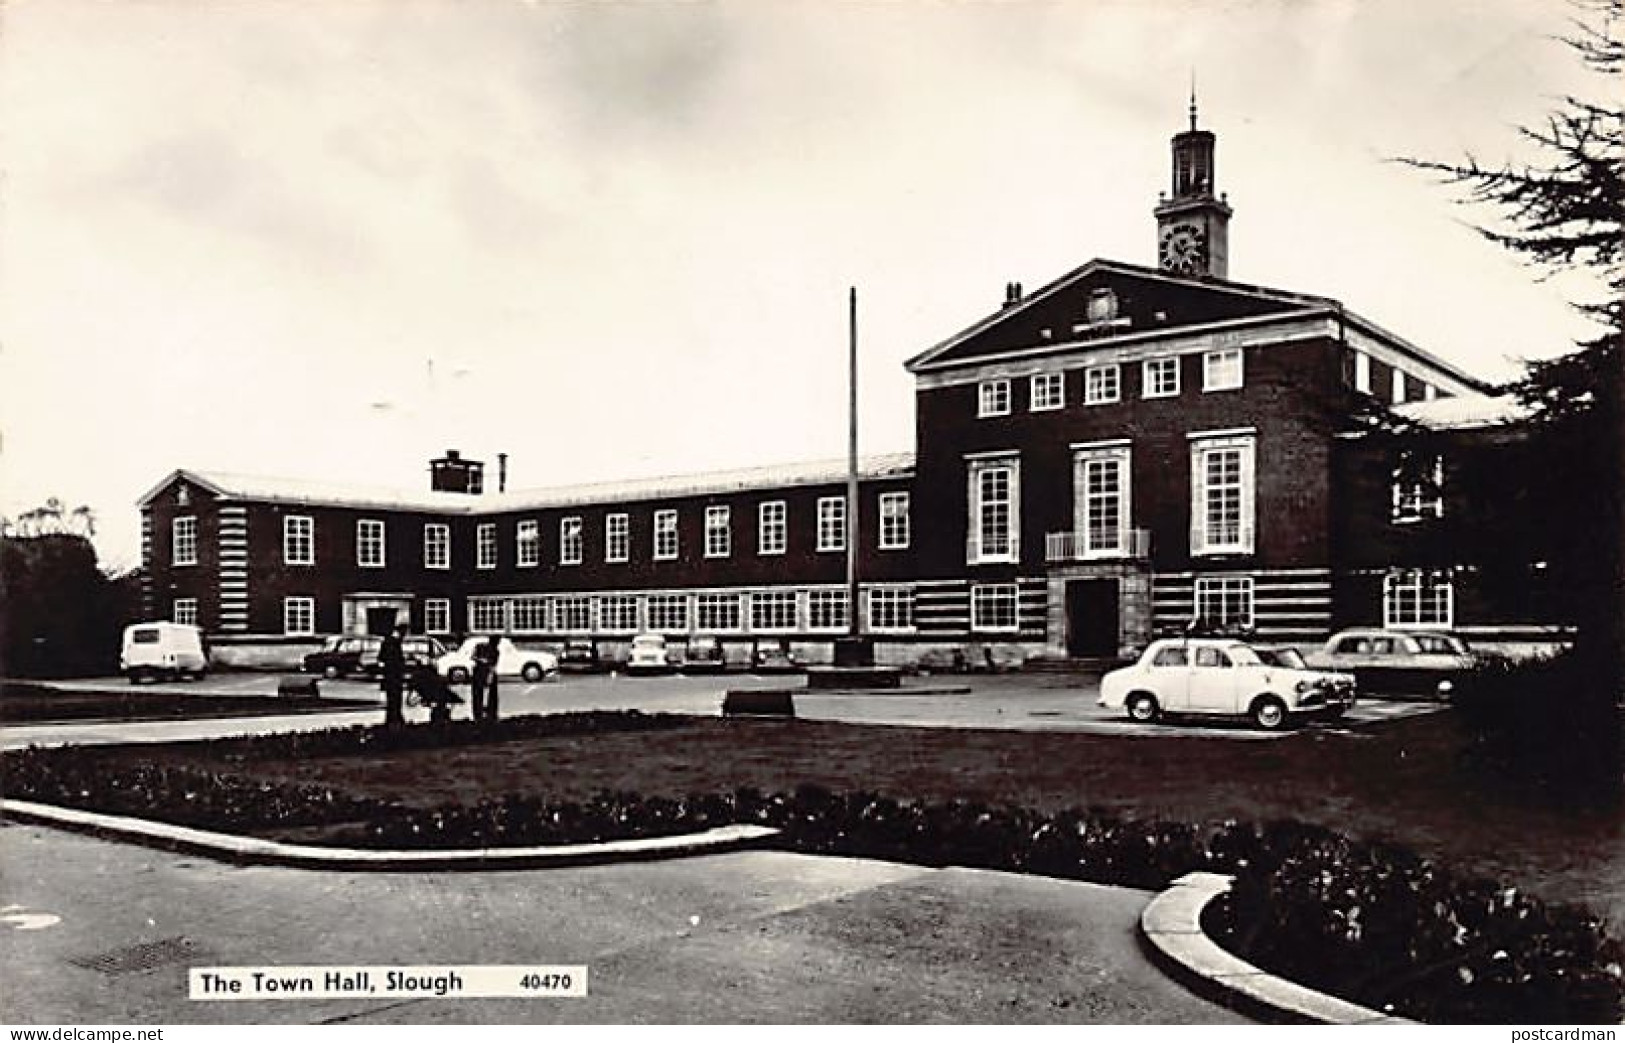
(163, 651)
(344, 655)
(1223, 678)
(1398, 662)
(457, 666)
(775, 659)
(703, 654)
(419, 650)
(579, 656)
(650, 655)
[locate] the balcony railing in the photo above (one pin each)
(1132, 544)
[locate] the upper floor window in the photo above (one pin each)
(183, 540)
(1417, 598)
(1159, 378)
(718, 534)
(485, 546)
(1102, 384)
(436, 546)
(894, 523)
(185, 612)
(1046, 391)
(771, 536)
(528, 543)
(1225, 601)
(665, 548)
(1222, 370)
(617, 537)
(1222, 495)
(570, 540)
(831, 523)
(995, 502)
(993, 398)
(1418, 487)
(298, 540)
(369, 543)
(1102, 500)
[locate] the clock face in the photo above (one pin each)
(1184, 249)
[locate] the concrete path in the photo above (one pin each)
(759, 937)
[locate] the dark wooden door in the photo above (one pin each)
(1091, 617)
(380, 621)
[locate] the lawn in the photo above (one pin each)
(29, 703)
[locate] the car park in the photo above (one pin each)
(1421, 664)
(162, 651)
(344, 655)
(650, 655)
(704, 654)
(1213, 677)
(457, 666)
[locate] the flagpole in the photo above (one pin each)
(852, 464)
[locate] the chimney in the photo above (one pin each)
(502, 472)
(1012, 294)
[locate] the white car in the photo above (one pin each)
(1226, 678)
(650, 655)
(457, 666)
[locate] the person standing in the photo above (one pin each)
(484, 681)
(392, 665)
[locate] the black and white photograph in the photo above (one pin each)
(794, 512)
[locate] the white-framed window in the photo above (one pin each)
(1362, 371)
(1397, 387)
(993, 398)
(618, 613)
(573, 613)
(183, 540)
(1225, 601)
(665, 548)
(488, 614)
(1418, 488)
(1222, 495)
(570, 540)
(1102, 384)
(527, 543)
(717, 611)
(184, 611)
(994, 606)
(299, 616)
(827, 610)
(1046, 391)
(530, 615)
(437, 615)
(298, 540)
(718, 533)
(1102, 502)
(1419, 598)
(436, 545)
(772, 534)
(369, 543)
(773, 610)
(1222, 370)
(485, 546)
(831, 523)
(617, 537)
(894, 523)
(1159, 378)
(668, 612)
(995, 509)
(891, 608)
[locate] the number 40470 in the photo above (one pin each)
(545, 982)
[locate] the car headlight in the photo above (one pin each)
(1303, 686)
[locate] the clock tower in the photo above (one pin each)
(1193, 224)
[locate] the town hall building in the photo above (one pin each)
(1100, 460)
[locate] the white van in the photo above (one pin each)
(162, 650)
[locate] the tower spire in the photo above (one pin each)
(1193, 98)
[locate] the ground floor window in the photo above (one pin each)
(618, 613)
(668, 612)
(1225, 602)
(773, 610)
(185, 611)
(993, 606)
(298, 616)
(530, 614)
(718, 611)
(891, 608)
(487, 616)
(437, 616)
(575, 614)
(1418, 598)
(826, 610)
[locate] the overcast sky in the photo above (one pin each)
(331, 240)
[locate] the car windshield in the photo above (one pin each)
(1290, 658)
(1241, 655)
(648, 642)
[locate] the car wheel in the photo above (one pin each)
(331, 672)
(1142, 707)
(457, 675)
(532, 673)
(1269, 713)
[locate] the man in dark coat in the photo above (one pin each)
(392, 665)
(483, 684)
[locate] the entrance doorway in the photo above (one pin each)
(381, 619)
(1091, 617)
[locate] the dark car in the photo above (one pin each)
(704, 654)
(775, 659)
(345, 655)
(579, 656)
(1406, 664)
